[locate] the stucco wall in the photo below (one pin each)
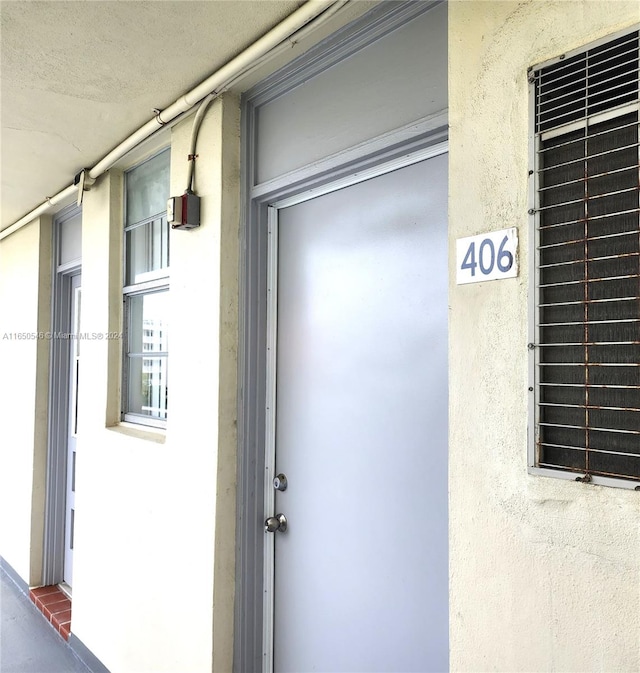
(155, 515)
(544, 573)
(25, 276)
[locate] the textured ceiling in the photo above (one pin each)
(77, 77)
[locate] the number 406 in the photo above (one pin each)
(487, 257)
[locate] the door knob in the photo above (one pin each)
(274, 524)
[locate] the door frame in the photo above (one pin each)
(59, 389)
(418, 141)
(73, 350)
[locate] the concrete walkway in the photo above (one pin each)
(28, 643)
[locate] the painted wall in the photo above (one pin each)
(25, 276)
(544, 572)
(153, 584)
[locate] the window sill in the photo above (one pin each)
(149, 433)
(596, 480)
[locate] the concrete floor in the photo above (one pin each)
(28, 643)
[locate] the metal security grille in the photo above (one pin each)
(588, 83)
(587, 213)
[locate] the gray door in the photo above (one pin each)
(361, 574)
(72, 429)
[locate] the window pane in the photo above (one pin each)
(148, 344)
(148, 324)
(147, 251)
(71, 240)
(148, 387)
(147, 189)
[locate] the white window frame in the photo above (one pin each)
(534, 275)
(156, 281)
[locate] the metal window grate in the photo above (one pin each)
(588, 261)
(588, 83)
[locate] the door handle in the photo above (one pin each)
(274, 524)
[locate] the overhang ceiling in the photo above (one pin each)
(77, 77)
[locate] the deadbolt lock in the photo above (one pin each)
(276, 524)
(280, 482)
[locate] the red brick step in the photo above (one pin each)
(55, 605)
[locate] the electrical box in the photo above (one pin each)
(183, 212)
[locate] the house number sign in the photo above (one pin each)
(487, 256)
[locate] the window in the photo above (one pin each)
(146, 291)
(586, 306)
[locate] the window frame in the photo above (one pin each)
(160, 283)
(534, 274)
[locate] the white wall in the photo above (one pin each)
(545, 573)
(153, 584)
(25, 276)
